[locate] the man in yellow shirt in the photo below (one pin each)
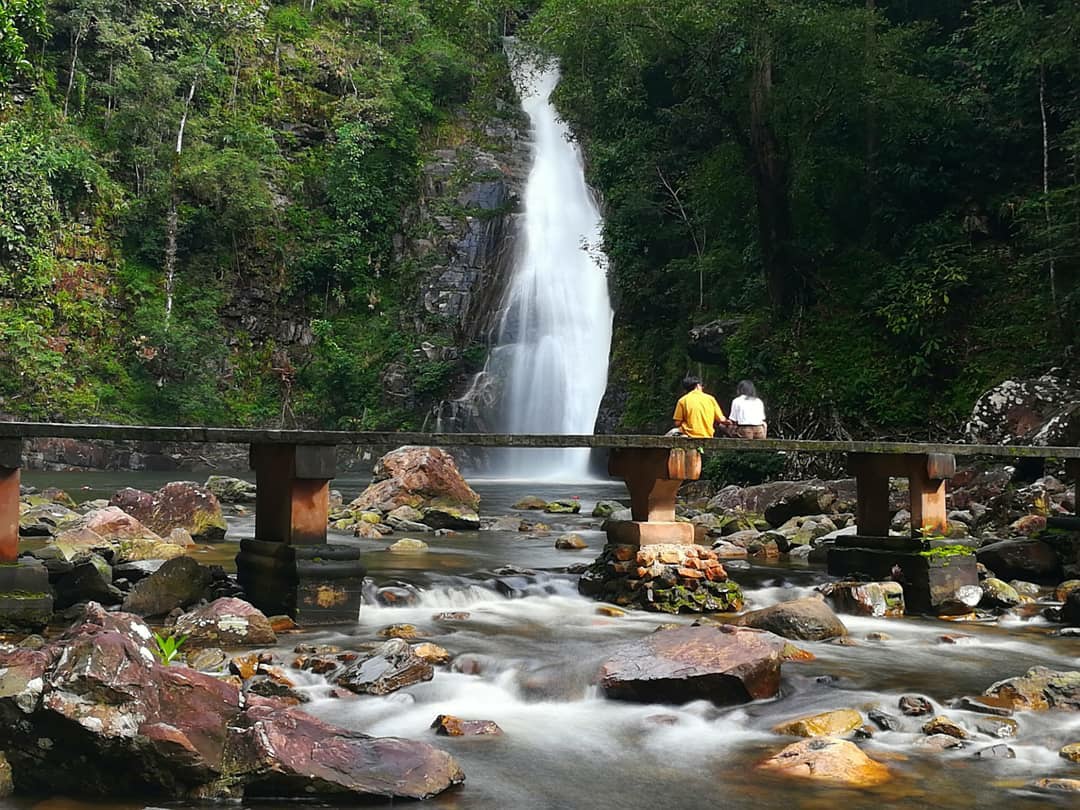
(697, 413)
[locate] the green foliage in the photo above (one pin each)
(18, 20)
(278, 145)
(744, 469)
(860, 185)
(168, 647)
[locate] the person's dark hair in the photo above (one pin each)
(690, 382)
(746, 389)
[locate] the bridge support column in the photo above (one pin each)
(25, 597)
(288, 567)
(653, 477)
(931, 571)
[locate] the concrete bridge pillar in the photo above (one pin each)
(288, 567)
(922, 561)
(25, 597)
(653, 477)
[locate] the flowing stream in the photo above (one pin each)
(526, 647)
(550, 352)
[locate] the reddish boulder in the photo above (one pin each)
(97, 697)
(723, 664)
(294, 754)
(114, 525)
(226, 622)
(418, 477)
(177, 505)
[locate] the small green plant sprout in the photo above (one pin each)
(929, 535)
(168, 647)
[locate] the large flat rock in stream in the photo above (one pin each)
(723, 664)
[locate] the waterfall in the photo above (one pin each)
(551, 346)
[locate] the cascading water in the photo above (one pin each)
(551, 346)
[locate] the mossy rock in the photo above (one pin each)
(563, 506)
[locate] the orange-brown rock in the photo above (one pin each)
(826, 724)
(449, 726)
(1041, 689)
(828, 760)
(245, 666)
(432, 653)
(417, 477)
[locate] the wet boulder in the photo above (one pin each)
(570, 542)
(408, 545)
(290, 753)
(177, 505)
(866, 598)
(97, 697)
(605, 509)
(418, 477)
(176, 583)
(723, 664)
(915, 705)
(533, 502)
(998, 594)
(231, 490)
(393, 666)
(808, 619)
(943, 725)
(43, 520)
(89, 580)
(442, 514)
(1070, 611)
(1029, 560)
(447, 725)
(826, 724)
(1040, 689)
(563, 506)
(826, 759)
(226, 622)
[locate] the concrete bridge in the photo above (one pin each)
(289, 566)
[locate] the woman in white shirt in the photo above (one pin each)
(748, 412)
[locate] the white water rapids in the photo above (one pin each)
(551, 346)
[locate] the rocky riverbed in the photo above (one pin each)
(478, 643)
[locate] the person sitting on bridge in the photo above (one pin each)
(748, 412)
(697, 413)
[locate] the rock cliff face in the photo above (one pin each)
(462, 232)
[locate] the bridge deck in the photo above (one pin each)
(29, 430)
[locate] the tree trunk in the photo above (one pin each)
(1051, 270)
(172, 223)
(769, 168)
(172, 218)
(76, 38)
